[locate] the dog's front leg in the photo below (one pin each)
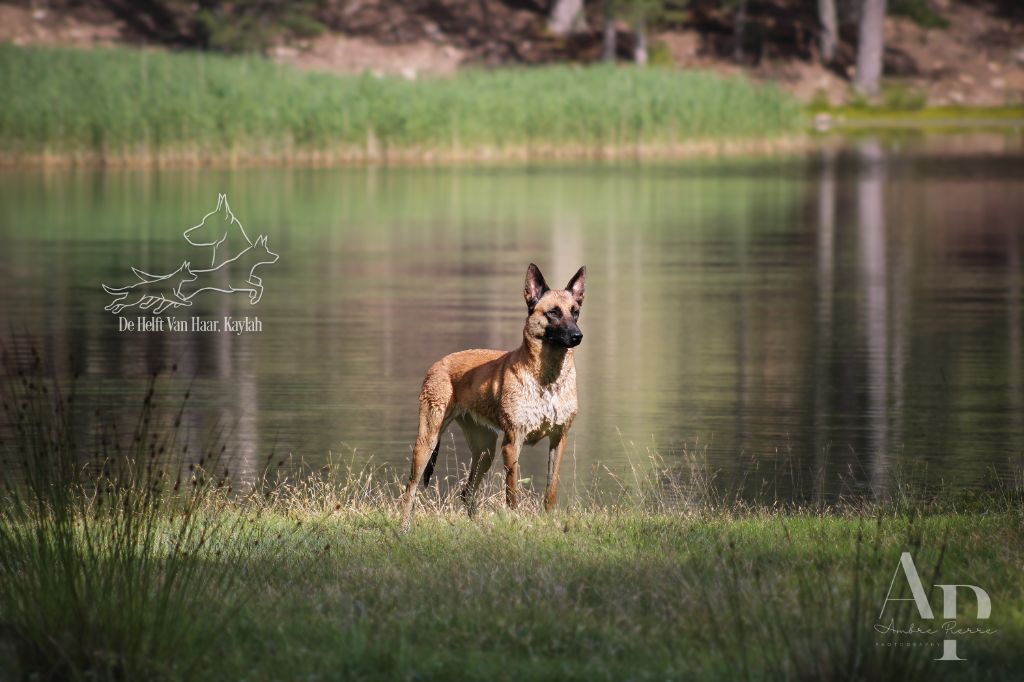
(556, 447)
(256, 293)
(510, 448)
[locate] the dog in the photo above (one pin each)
(235, 274)
(153, 291)
(524, 395)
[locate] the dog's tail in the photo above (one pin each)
(113, 291)
(428, 471)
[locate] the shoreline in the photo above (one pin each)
(275, 155)
(266, 156)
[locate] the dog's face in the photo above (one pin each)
(263, 254)
(186, 272)
(554, 315)
(215, 224)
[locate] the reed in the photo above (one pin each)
(124, 105)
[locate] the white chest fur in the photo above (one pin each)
(542, 408)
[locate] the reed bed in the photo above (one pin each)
(134, 557)
(139, 106)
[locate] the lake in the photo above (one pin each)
(821, 325)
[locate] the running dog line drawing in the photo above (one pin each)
(229, 274)
(157, 292)
(232, 270)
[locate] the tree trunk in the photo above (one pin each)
(609, 37)
(739, 22)
(640, 50)
(829, 19)
(871, 46)
(564, 16)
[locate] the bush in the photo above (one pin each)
(920, 12)
(903, 98)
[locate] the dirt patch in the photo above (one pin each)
(347, 54)
(22, 25)
(978, 60)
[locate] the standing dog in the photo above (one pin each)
(523, 395)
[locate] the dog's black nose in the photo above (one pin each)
(576, 338)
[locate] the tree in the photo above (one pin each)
(871, 47)
(829, 20)
(609, 36)
(640, 13)
(640, 47)
(565, 16)
(739, 23)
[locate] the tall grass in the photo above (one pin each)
(108, 563)
(111, 104)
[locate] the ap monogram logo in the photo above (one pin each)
(950, 612)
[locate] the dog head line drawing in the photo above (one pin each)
(524, 395)
(239, 273)
(221, 230)
(238, 258)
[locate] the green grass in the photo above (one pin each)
(923, 117)
(581, 594)
(122, 567)
(124, 104)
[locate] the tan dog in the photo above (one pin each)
(524, 395)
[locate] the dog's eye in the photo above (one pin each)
(575, 313)
(554, 313)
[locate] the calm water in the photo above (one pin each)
(856, 313)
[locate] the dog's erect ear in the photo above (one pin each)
(577, 284)
(535, 286)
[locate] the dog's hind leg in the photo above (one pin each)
(482, 442)
(428, 471)
(435, 400)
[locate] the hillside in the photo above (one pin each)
(972, 53)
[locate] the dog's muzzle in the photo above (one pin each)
(566, 338)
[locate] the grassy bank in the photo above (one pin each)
(583, 594)
(134, 558)
(131, 106)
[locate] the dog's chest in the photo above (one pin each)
(538, 409)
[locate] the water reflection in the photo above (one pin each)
(820, 323)
(875, 293)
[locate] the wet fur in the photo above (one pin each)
(524, 396)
